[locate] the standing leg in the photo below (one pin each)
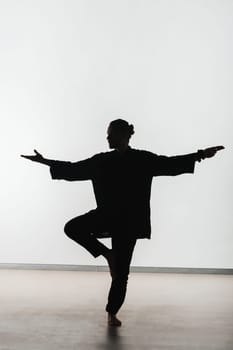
(122, 249)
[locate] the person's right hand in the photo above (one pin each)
(36, 158)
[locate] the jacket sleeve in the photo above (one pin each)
(160, 165)
(81, 170)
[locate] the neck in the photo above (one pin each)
(122, 148)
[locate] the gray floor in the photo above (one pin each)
(50, 310)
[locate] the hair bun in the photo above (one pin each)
(131, 129)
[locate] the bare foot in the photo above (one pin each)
(113, 321)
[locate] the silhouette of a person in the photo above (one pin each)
(122, 185)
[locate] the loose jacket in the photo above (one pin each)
(122, 184)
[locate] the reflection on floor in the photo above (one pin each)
(53, 310)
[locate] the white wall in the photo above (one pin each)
(70, 67)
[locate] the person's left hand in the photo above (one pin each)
(211, 151)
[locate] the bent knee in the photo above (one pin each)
(69, 229)
(73, 230)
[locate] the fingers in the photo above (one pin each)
(215, 149)
(218, 148)
(24, 156)
(27, 157)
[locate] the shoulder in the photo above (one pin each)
(144, 153)
(102, 155)
(134, 152)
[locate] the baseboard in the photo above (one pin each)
(143, 269)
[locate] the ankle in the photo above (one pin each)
(113, 320)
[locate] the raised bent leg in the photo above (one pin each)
(81, 229)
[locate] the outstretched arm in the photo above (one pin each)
(65, 170)
(175, 165)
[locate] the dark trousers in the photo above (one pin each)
(84, 229)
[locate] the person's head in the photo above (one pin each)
(119, 132)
